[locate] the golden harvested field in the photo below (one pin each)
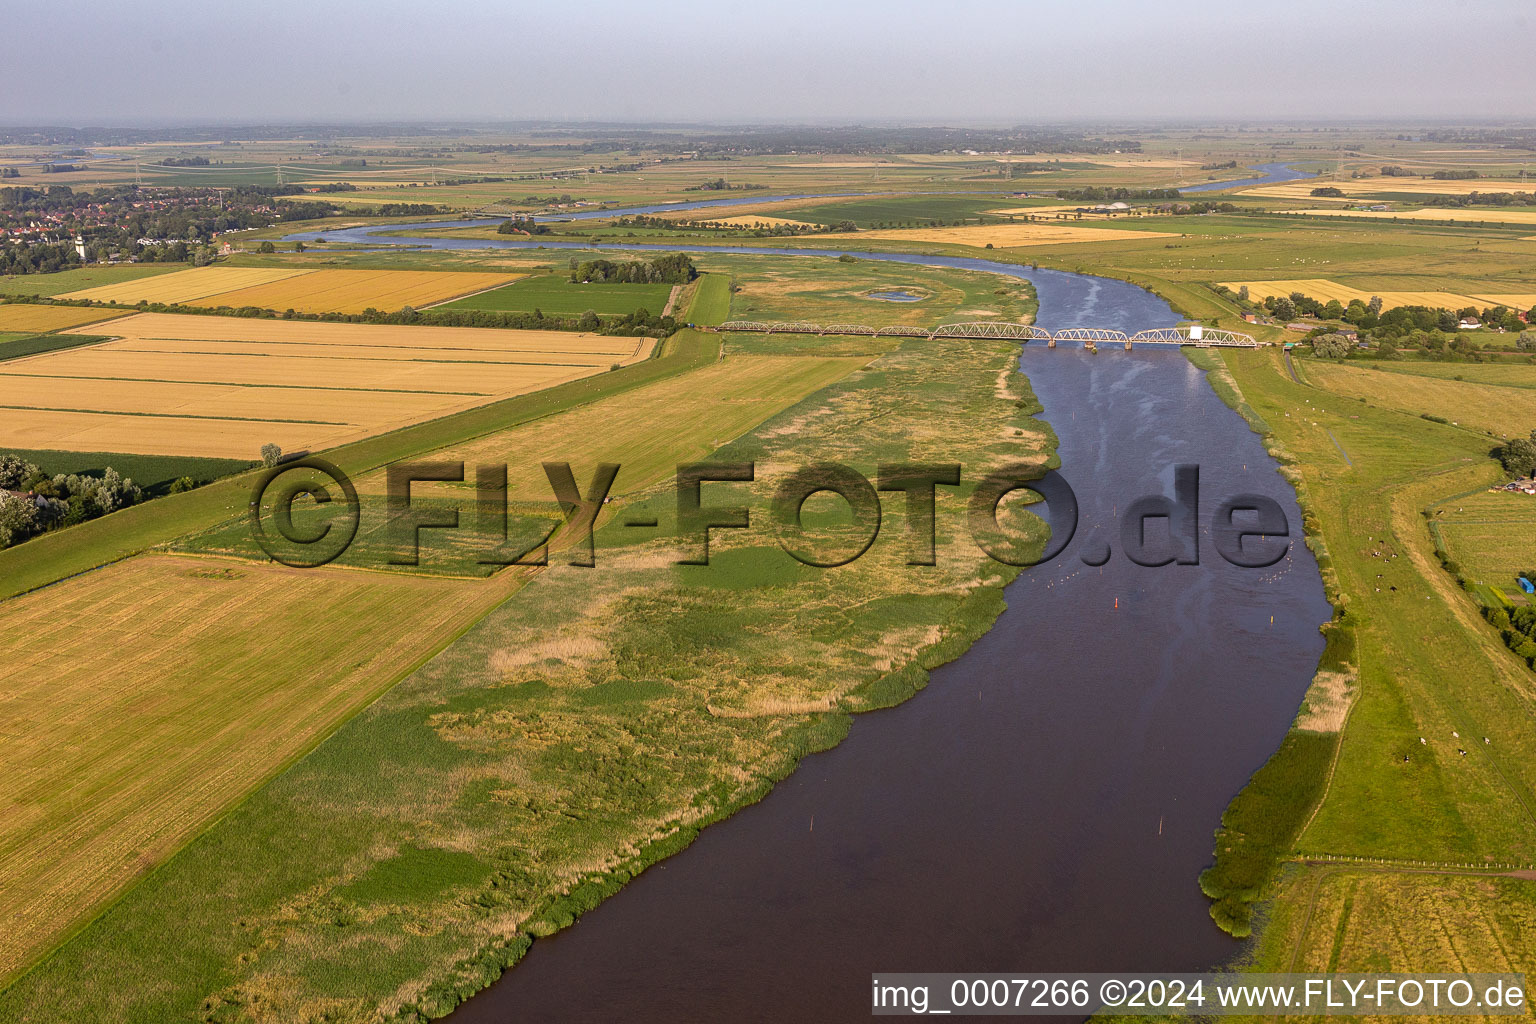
(183, 286)
(1468, 923)
(1523, 301)
(724, 400)
(749, 221)
(352, 291)
(1485, 407)
(115, 752)
(1472, 214)
(1007, 236)
(16, 316)
(1405, 186)
(189, 385)
(1323, 289)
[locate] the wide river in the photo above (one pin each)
(1047, 803)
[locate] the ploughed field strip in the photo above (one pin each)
(219, 386)
(182, 286)
(1404, 186)
(305, 291)
(20, 317)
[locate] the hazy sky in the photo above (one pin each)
(143, 61)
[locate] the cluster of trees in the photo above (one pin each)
(642, 322)
(1332, 346)
(1488, 199)
(1517, 628)
(721, 185)
(9, 172)
(521, 226)
(37, 258)
(1388, 324)
(673, 268)
(1094, 194)
(184, 161)
(1329, 191)
(1456, 175)
(32, 501)
(1230, 165)
(1519, 459)
(760, 231)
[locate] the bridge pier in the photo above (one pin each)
(1052, 343)
(1090, 346)
(1127, 344)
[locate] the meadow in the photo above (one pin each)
(556, 293)
(220, 386)
(82, 278)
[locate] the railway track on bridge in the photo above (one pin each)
(1196, 335)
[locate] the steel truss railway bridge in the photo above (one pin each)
(1089, 337)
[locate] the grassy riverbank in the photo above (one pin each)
(1431, 716)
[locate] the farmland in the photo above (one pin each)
(20, 317)
(186, 385)
(707, 737)
(83, 278)
(1464, 214)
(182, 286)
(1007, 236)
(1323, 290)
(107, 771)
(306, 291)
(353, 291)
(1391, 186)
(1482, 406)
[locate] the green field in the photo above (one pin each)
(154, 473)
(556, 293)
(85, 277)
(888, 211)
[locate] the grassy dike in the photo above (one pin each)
(1408, 767)
(584, 729)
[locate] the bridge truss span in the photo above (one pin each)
(1091, 337)
(1201, 337)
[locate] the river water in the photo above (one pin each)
(1047, 802)
(1271, 174)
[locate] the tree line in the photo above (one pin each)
(33, 502)
(673, 268)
